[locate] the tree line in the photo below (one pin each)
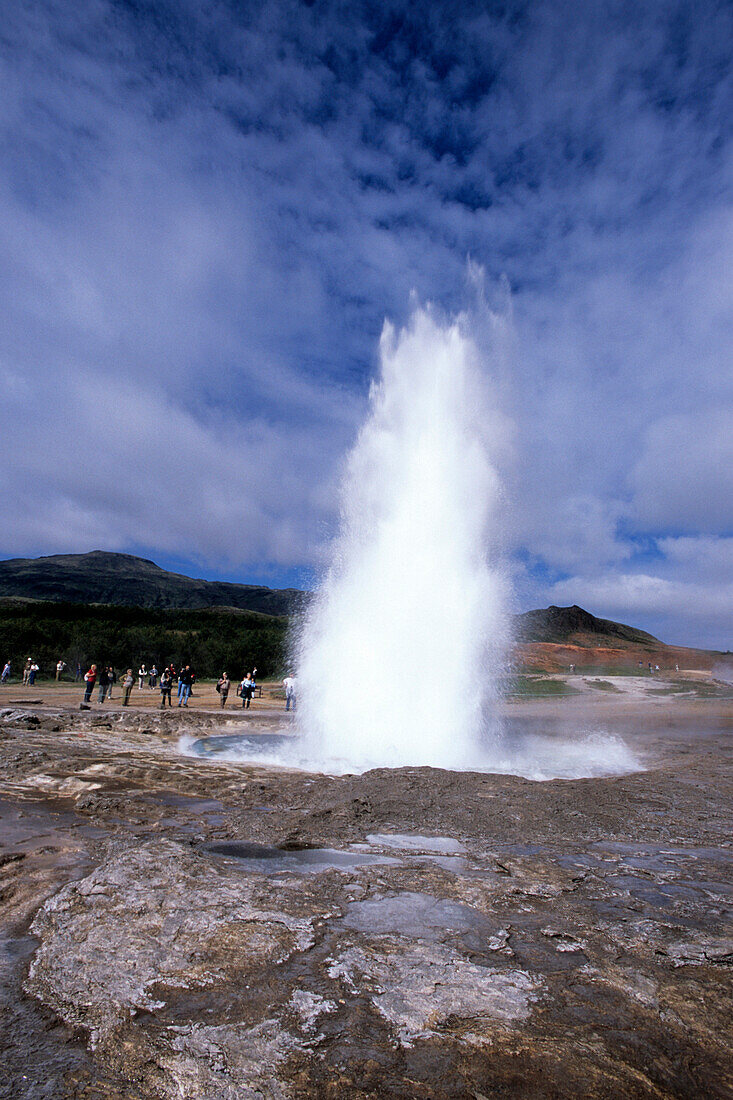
(209, 640)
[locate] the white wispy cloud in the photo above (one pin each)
(206, 213)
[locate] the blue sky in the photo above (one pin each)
(208, 210)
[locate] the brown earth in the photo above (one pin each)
(474, 935)
(550, 657)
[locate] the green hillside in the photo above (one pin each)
(210, 640)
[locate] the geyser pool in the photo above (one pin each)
(399, 658)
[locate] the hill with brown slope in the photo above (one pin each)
(575, 626)
(554, 638)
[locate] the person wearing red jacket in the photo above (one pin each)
(90, 680)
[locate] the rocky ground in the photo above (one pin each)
(178, 927)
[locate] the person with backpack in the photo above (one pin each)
(166, 683)
(222, 686)
(128, 681)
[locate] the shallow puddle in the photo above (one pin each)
(413, 914)
(407, 842)
(271, 861)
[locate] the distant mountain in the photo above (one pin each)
(574, 626)
(128, 581)
(124, 580)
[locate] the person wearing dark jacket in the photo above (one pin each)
(103, 682)
(166, 683)
(185, 679)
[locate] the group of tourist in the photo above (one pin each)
(30, 671)
(104, 679)
(245, 690)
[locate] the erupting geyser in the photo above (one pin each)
(400, 654)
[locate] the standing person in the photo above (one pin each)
(223, 686)
(103, 683)
(290, 684)
(166, 682)
(142, 675)
(112, 676)
(127, 683)
(78, 675)
(245, 690)
(32, 673)
(185, 679)
(60, 666)
(27, 671)
(253, 681)
(90, 678)
(6, 672)
(153, 677)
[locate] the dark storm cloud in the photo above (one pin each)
(206, 212)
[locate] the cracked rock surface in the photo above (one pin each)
(192, 929)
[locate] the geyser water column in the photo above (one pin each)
(399, 657)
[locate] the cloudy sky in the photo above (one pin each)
(207, 210)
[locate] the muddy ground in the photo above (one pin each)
(170, 927)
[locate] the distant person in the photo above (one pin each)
(253, 678)
(245, 690)
(128, 681)
(112, 677)
(290, 684)
(27, 670)
(60, 666)
(90, 678)
(676, 668)
(103, 681)
(185, 679)
(142, 676)
(78, 675)
(6, 672)
(153, 678)
(166, 683)
(32, 673)
(222, 686)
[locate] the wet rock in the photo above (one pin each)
(153, 916)
(227, 1062)
(454, 971)
(417, 988)
(706, 949)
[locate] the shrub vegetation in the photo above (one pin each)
(210, 640)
